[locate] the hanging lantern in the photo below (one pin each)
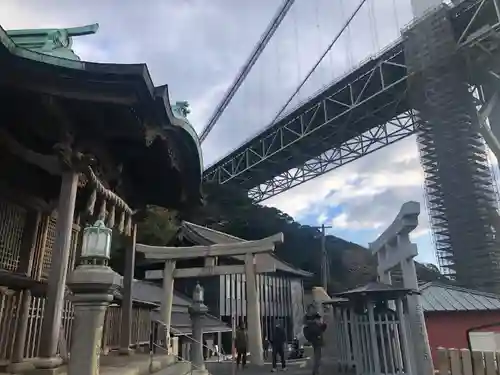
(96, 242)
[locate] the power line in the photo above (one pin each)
(254, 56)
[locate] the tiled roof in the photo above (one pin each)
(151, 293)
(374, 288)
(441, 297)
(206, 236)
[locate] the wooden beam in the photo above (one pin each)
(264, 245)
(49, 163)
(99, 93)
(182, 273)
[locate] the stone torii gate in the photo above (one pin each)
(249, 249)
(392, 248)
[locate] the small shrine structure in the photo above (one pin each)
(379, 328)
(80, 141)
(280, 285)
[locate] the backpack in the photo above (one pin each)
(241, 339)
(312, 331)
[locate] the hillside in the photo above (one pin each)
(231, 211)
(351, 265)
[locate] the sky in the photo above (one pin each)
(198, 46)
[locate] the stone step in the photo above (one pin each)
(177, 368)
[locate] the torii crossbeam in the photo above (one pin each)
(249, 249)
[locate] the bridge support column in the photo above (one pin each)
(420, 7)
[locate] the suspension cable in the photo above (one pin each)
(254, 56)
(330, 46)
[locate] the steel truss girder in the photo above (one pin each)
(320, 119)
(402, 126)
(482, 27)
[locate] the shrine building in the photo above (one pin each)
(80, 141)
(281, 292)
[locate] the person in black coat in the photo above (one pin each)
(314, 329)
(278, 345)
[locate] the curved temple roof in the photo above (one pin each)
(206, 236)
(159, 137)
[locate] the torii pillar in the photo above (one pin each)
(392, 248)
(249, 249)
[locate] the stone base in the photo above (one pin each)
(199, 372)
(126, 351)
(46, 371)
(46, 366)
(19, 367)
(48, 363)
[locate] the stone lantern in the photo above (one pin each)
(93, 284)
(197, 312)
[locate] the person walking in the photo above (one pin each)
(278, 345)
(240, 343)
(265, 346)
(314, 328)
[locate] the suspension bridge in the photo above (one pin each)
(436, 78)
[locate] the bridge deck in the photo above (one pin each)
(368, 98)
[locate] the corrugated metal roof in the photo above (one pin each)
(207, 236)
(441, 297)
(181, 323)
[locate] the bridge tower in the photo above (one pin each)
(458, 181)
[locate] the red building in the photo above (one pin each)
(450, 311)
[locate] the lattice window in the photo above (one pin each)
(49, 245)
(12, 219)
(9, 307)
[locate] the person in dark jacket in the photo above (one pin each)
(278, 345)
(265, 346)
(240, 343)
(314, 328)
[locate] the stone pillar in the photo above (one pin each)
(168, 296)
(92, 288)
(57, 277)
(253, 313)
(393, 247)
(197, 312)
(126, 307)
(416, 317)
(408, 352)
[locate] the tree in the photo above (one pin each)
(228, 209)
(157, 227)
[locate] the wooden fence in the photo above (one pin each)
(9, 308)
(464, 362)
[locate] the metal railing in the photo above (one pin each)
(219, 354)
(160, 339)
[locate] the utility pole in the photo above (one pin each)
(325, 264)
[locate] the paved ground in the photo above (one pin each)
(295, 367)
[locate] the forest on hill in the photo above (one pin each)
(230, 210)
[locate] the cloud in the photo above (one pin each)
(197, 48)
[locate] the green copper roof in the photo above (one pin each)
(54, 42)
(180, 110)
(67, 76)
